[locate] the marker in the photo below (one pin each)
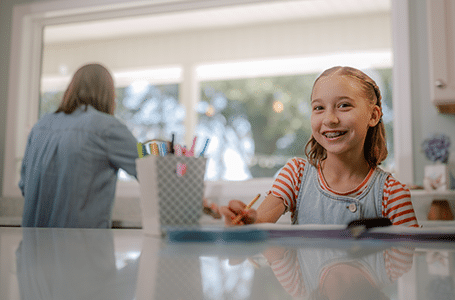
(205, 147)
(154, 149)
(178, 150)
(162, 149)
(240, 216)
(140, 150)
(191, 151)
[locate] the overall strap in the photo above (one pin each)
(305, 175)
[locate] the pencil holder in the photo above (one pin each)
(172, 189)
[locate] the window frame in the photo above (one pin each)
(28, 21)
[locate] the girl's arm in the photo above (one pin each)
(284, 190)
(269, 211)
(286, 267)
(397, 204)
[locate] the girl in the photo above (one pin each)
(340, 180)
(69, 170)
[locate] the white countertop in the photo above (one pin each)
(92, 264)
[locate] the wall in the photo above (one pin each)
(7, 206)
(280, 39)
(425, 118)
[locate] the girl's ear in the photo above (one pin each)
(376, 115)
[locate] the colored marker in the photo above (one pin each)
(162, 149)
(178, 150)
(154, 149)
(140, 150)
(205, 147)
(191, 151)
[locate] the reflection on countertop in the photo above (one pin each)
(127, 264)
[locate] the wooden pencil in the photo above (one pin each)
(240, 216)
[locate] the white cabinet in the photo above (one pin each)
(441, 42)
(421, 201)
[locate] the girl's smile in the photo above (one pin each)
(332, 134)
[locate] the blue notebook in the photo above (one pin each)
(262, 232)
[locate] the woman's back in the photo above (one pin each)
(70, 168)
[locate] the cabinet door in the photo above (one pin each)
(441, 41)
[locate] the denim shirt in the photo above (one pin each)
(317, 206)
(69, 170)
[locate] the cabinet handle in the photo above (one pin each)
(440, 84)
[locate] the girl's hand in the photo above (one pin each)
(211, 209)
(235, 209)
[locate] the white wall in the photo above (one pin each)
(290, 39)
(425, 118)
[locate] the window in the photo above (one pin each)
(257, 124)
(193, 51)
(150, 111)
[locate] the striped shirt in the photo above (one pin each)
(396, 200)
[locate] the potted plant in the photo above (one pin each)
(436, 175)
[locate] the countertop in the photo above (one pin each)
(46, 263)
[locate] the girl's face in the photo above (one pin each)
(341, 115)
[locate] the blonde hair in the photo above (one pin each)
(92, 84)
(375, 149)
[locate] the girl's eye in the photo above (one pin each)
(318, 107)
(344, 105)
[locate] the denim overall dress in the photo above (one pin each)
(317, 206)
(313, 262)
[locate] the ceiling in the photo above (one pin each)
(271, 11)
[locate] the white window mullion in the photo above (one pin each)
(23, 96)
(402, 125)
(189, 91)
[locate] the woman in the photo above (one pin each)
(69, 170)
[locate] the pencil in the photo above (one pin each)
(239, 217)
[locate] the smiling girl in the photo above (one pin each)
(340, 180)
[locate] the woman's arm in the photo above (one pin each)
(121, 147)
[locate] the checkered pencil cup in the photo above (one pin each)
(172, 188)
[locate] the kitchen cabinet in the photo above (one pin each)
(441, 42)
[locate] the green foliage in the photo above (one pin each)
(254, 99)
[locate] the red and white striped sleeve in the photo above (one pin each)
(287, 184)
(398, 261)
(397, 205)
(287, 272)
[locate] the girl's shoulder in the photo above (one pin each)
(294, 167)
(297, 162)
(393, 185)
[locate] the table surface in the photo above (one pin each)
(127, 264)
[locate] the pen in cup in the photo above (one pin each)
(171, 150)
(240, 216)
